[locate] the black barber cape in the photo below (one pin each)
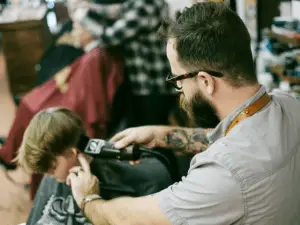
(54, 204)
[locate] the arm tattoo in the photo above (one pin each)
(185, 141)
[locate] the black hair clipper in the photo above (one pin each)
(104, 149)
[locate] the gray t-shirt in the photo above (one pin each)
(250, 176)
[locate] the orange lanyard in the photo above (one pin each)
(250, 110)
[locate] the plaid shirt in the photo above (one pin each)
(135, 29)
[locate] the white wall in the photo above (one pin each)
(296, 9)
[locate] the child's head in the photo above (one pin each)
(49, 143)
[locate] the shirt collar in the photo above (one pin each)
(220, 130)
(90, 46)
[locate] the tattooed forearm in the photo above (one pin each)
(187, 140)
(177, 139)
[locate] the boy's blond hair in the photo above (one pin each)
(50, 133)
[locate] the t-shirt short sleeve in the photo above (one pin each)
(209, 195)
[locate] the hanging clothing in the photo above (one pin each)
(88, 88)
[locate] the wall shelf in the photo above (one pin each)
(285, 39)
(279, 71)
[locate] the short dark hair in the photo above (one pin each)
(210, 36)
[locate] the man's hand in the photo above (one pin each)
(85, 38)
(182, 140)
(78, 14)
(78, 9)
(149, 136)
(81, 180)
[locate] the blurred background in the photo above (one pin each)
(30, 28)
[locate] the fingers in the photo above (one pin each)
(123, 139)
(75, 169)
(70, 178)
(125, 142)
(133, 163)
(84, 163)
(120, 135)
(80, 174)
(151, 145)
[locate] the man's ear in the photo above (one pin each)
(206, 82)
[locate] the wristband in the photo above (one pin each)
(87, 199)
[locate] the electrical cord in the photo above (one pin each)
(156, 154)
(163, 159)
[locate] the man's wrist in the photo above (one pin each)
(87, 199)
(95, 211)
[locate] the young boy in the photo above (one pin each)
(49, 147)
(49, 143)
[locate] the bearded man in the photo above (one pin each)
(250, 170)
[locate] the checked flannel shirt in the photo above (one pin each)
(146, 64)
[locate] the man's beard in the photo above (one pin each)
(201, 112)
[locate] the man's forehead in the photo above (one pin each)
(171, 42)
(171, 47)
(173, 57)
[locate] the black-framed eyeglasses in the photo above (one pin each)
(175, 79)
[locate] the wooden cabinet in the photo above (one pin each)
(23, 44)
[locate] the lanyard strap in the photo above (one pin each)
(250, 110)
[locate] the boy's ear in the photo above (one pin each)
(75, 151)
